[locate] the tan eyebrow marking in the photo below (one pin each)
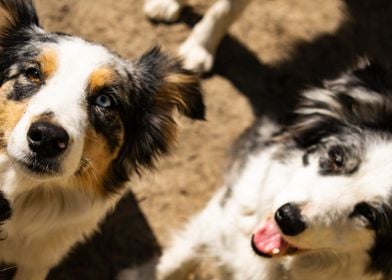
(101, 77)
(48, 61)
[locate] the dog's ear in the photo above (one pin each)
(160, 86)
(169, 85)
(15, 15)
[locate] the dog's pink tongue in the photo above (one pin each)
(268, 240)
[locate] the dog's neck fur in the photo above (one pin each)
(48, 219)
(44, 215)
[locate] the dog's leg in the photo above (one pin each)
(163, 10)
(199, 49)
(178, 261)
(31, 273)
(200, 235)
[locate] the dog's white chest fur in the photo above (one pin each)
(46, 221)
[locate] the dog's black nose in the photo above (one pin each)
(290, 220)
(47, 140)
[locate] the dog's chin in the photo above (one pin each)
(39, 169)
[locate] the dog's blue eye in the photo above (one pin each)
(104, 101)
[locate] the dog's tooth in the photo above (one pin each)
(275, 251)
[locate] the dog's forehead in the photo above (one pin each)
(76, 58)
(77, 63)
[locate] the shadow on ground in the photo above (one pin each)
(114, 248)
(274, 90)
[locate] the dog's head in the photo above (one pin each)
(338, 160)
(75, 114)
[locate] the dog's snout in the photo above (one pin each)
(47, 140)
(290, 220)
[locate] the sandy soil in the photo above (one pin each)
(257, 64)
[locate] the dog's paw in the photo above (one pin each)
(162, 10)
(195, 56)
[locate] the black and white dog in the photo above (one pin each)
(311, 200)
(76, 121)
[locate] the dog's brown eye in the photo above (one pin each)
(34, 75)
(334, 162)
(336, 157)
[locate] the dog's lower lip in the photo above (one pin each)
(258, 252)
(36, 167)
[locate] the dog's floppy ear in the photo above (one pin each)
(16, 14)
(169, 84)
(160, 86)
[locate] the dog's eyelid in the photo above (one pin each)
(109, 90)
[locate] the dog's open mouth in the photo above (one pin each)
(268, 242)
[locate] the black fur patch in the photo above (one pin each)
(150, 122)
(381, 253)
(22, 14)
(360, 99)
(5, 208)
(146, 113)
(106, 121)
(21, 90)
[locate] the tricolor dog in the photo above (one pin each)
(76, 121)
(310, 200)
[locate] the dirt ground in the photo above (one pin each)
(256, 64)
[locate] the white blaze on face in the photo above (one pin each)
(64, 95)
